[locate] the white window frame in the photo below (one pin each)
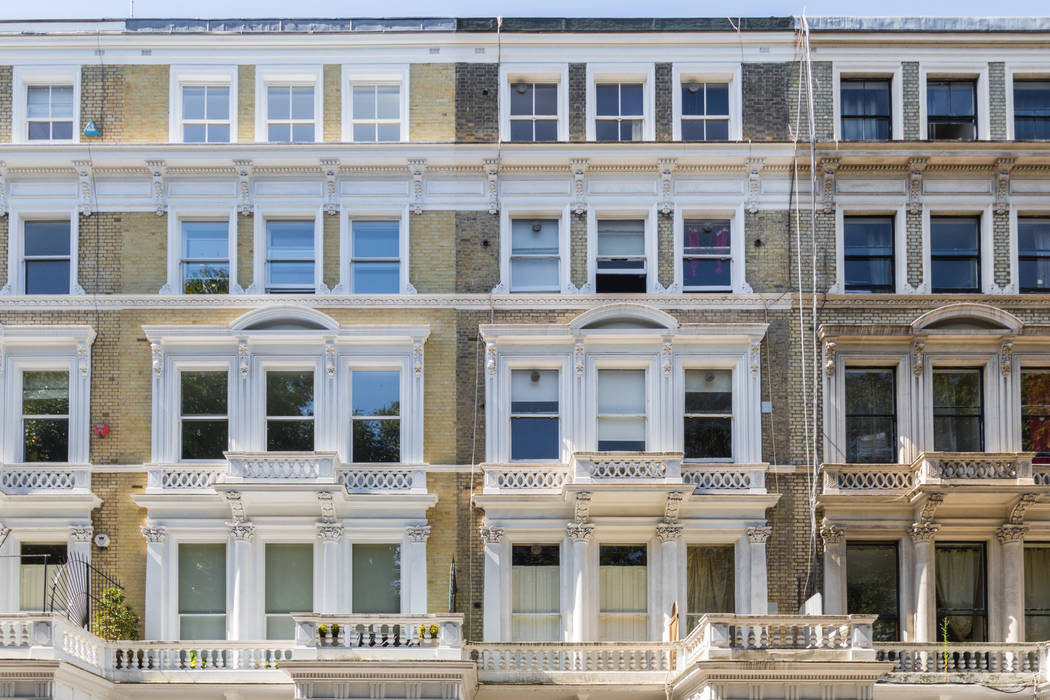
(202, 365)
(867, 207)
(1020, 210)
(24, 77)
(197, 538)
(260, 253)
(620, 536)
(17, 218)
(651, 408)
(365, 363)
(875, 70)
(261, 414)
(364, 213)
(980, 358)
(956, 71)
(267, 76)
(648, 215)
(508, 215)
(176, 216)
(525, 362)
(835, 401)
(511, 73)
(986, 263)
(644, 73)
(1020, 71)
(682, 73)
(381, 74)
(22, 415)
(737, 246)
(192, 75)
(734, 365)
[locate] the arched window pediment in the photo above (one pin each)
(624, 317)
(967, 317)
(284, 318)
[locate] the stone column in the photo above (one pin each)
(759, 584)
(8, 571)
(1011, 537)
(922, 535)
(492, 630)
(834, 569)
(245, 619)
(414, 560)
(159, 606)
(331, 537)
(580, 537)
(670, 536)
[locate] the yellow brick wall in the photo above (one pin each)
(120, 518)
(5, 103)
(146, 108)
(245, 246)
(432, 102)
(333, 103)
(143, 252)
(245, 104)
(442, 543)
(432, 252)
(330, 271)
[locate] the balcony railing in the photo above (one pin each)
(841, 637)
(24, 479)
(972, 466)
(968, 663)
(558, 662)
(933, 468)
(384, 636)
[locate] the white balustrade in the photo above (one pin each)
(365, 479)
(525, 477)
(390, 635)
(590, 467)
(1041, 475)
(726, 478)
(867, 477)
(720, 636)
(953, 658)
(183, 478)
(131, 659)
(281, 466)
(526, 658)
(934, 466)
(28, 480)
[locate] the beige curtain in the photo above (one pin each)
(536, 607)
(710, 581)
(1037, 593)
(960, 588)
(624, 603)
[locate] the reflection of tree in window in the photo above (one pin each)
(45, 416)
(290, 411)
(376, 408)
(205, 427)
(1035, 408)
(871, 586)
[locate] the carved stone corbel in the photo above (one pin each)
(329, 532)
(418, 533)
(82, 359)
(831, 533)
(830, 346)
(327, 503)
(330, 168)
(916, 166)
(918, 347)
(154, 535)
(1003, 166)
(329, 357)
(1011, 533)
(579, 532)
(1006, 356)
(85, 187)
(756, 357)
(666, 355)
(157, 171)
(582, 507)
(929, 508)
(759, 535)
(490, 358)
(245, 203)
(578, 354)
(669, 532)
(1018, 510)
(924, 532)
(828, 168)
(491, 535)
(417, 167)
(158, 359)
(667, 166)
(672, 506)
(492, 186)
(81, 534)
(754, 183)
(579, 185)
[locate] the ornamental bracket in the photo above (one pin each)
(916, 166)
(1003, 166)
(754, 183)
(828, 167)
(3, 189)
(245, 203)
(85, 187)
(579, 185)
(492, 186)
(667, 166)
(417, 167)
(157, 172)
(330, 168)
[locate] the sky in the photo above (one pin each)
(93, 9)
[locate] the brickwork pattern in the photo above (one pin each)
(997, 112)
(432, 252)
(823, 99)
(5, 104)
(767, 265)
(913, 223)
(477, 102)
(577, 101)
(665, 261)
(100, 243)
(765, 107)
(102, 101)
(332, 98)
(578, 250)
(912, 100)
(332, 253)
(120, 518)
(826, 257)
(146, 108)
(246, 104)
(794, 569)
(432, 102)
(144, 252)
(1001, 249)
(664, 108)
(477, 251)
(245, 248)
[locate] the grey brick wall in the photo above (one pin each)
(477, 251)
(477, 102)
(1001, 248)
(765, 111)
(664, 129)
(767, 265)
(914, 244)
(823, 90)
(578, 250)
(911, 99)
(665, 249)
(997, 115)
(577, 101)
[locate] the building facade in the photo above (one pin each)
(560, 358)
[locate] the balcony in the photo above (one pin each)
(993, 664)
(34, 479)
(935, 469)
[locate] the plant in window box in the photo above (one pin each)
(114, 618)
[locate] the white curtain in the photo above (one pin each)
(624, 603)
(289, 586)
(1037, 593)
(621, 406)
(31, 586)
(960, 587)
(536, 606)
(523, 390)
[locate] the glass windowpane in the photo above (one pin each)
(377, 578)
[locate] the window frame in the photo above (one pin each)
(737, 248)
(895, 416)
(898, 569)
(23, 416)
(1035, 366)
(289, 365)
(365, 364)
(686, 414)
(267, 76)
(849, 206)
(511, 73)
(985, 417)
(24, 77)
(193, 75)
(177, 215)
(72, 258)
(526, 362)
(716, 72)
(49, 357)
(203, 366)
(604, 73)
(563, 215)
(875, 70)
(352, 74)
(261, 251)
(615, 539)
(649, 397)
(1023, 71)
(983, 253)
(941, 207)
(544, 415)
(1016, 217)
(986, 583)
(176, 545)
(977, 72)
(649, 217)
(562, 591)
(891, 288)
(834, 406)
(17, 218)
(366, 213)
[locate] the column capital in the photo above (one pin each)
(419, 533)
(1011, 533)
(491, 535)
(154, 534)
(924, 532)
(329, 532)
(241, 531)
(580, 532)
(759, 535)
(669, 532)
(81, 533)
(830, 533)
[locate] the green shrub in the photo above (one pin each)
(114, 618)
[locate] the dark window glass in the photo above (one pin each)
(707, 260)
(290, 411)
(619, 111)
(868, 253)
(705, 111)
(622, 555)
(958, 415)
(866, 110)
(955, 254)
(1032, 110)
(528, 103)
(621, 257)
(1033, 254)
(1036, 592)
(708, 414)
(205, 426)
(377, 578)
(951, 110)
(535, 555)
(290, 256)
(710, 581)
(1035, 412)
(205, 257)
(621, 410)
(871, 416)
(961, 591)
(534, 414)
(872, 586)
(47, 257)
(45, 416)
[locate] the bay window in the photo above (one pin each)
(375, 257)
(202, 591)
(620, 263)
(45, 416)
(872, 586)
(289, 411)
(534, 416)
(962, 591)
(1036, 591)
(958, 410)
(376, 578)
(710, 572)
(289, 586)
(707, 261)
(871, 415)
(290, 257)
(203, 414)
(1035, 412)
(534, 255)
(708, 414)
(621, 410)
(623, 593)
(535, 593)
(376, 415)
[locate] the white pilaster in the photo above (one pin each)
(414, 569)
(922, 535)
(759, 584)
(330, 536)
(159, 605)
(670, 536)
(8, 570)
(492, 628)
(1011, 537)
(834, 569)
(245, 623)
(580, 537)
